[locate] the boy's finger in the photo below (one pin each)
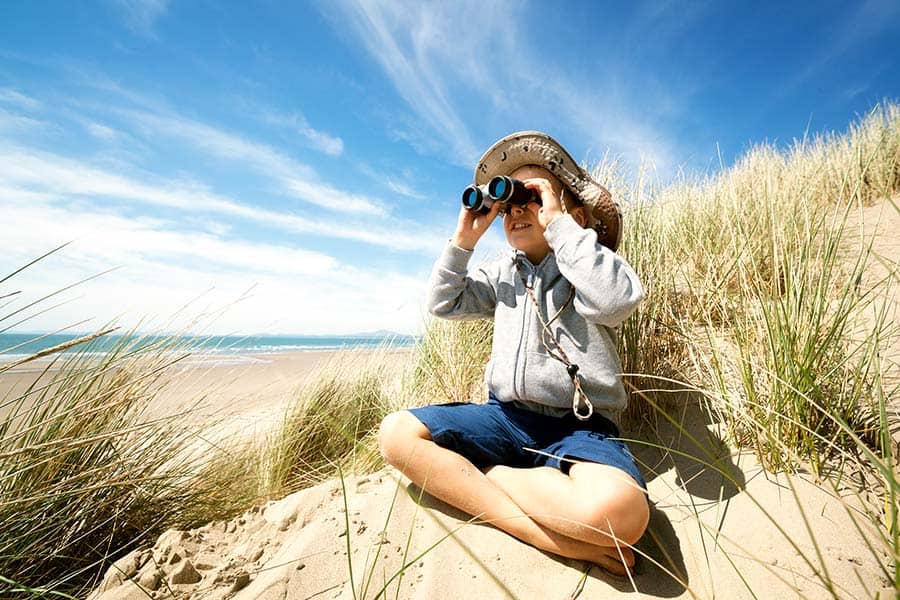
(541, 186)
(493, 212)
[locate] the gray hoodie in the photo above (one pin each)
(607, 290)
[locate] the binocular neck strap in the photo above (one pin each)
(557, 352)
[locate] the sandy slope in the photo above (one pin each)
(706, 530)
(878, 227)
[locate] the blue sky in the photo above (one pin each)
(286, 167)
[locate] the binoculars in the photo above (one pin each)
(480, 198)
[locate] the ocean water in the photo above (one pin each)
(14, 346)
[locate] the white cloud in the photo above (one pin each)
(100, 131)
(47, 177)
(141, 16)
(175, 237)
(161, 268)
(323, 141)
(329, 197)
(494, 76)
(403, 188)
(631, 137)
(122, 240)
(297, 179)
(13, 97)
(15, 122)
(414, 64)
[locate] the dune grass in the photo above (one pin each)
(86, 475)
(753, 291)
(755, 309)
(330, 425)
(450, 361)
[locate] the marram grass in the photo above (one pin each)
(84, 475)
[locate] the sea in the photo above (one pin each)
(222, 349)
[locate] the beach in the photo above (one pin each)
(239, 394)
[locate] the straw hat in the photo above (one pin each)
(536, 148)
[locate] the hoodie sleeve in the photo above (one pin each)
(607, 290)
(454, 294)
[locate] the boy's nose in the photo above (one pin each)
(515, 209)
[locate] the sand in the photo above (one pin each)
(704, 531)
(243, 395)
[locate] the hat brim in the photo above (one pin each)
(537, 148)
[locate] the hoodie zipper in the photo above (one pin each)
(518, 367)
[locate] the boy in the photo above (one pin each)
(537, 460)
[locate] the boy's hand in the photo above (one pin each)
(471, 226)
(552, 205)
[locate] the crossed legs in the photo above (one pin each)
(594, 513)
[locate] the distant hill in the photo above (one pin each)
(381, 333)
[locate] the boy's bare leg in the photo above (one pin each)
(407, 445)
(602, 502)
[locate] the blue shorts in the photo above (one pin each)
(499, 433)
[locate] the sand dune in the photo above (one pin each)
(728, 531)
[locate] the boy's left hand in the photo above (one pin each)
(552, 206)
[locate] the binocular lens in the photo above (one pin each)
(512, 191)
(500, 187)
(471, 198)
(474, 198)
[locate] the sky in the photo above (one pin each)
(296, 167)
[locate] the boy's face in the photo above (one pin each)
(522, 227)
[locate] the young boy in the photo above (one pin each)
(537, 460)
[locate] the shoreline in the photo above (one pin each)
(204, 357)
(199, 359)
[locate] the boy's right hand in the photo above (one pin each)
(471, 226)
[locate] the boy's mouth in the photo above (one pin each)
(518, 226)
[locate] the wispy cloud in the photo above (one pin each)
(55, 178)
(297, 179)
(405, 189)
(163, 215)
(866, 21)
(493, 78)
(141, 16)
(297, 123)
(160, 268)
(100, 131)
(17, 111)
(16, 98)
(402, 39)
(402, 181)
(10, 121)
(116, 238)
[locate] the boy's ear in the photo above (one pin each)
(579, 215)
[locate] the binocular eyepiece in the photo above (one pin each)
(480, 198)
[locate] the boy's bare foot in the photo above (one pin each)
(611, 560)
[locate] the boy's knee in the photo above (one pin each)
(612, 502)
(395, 435)
(625, 513)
